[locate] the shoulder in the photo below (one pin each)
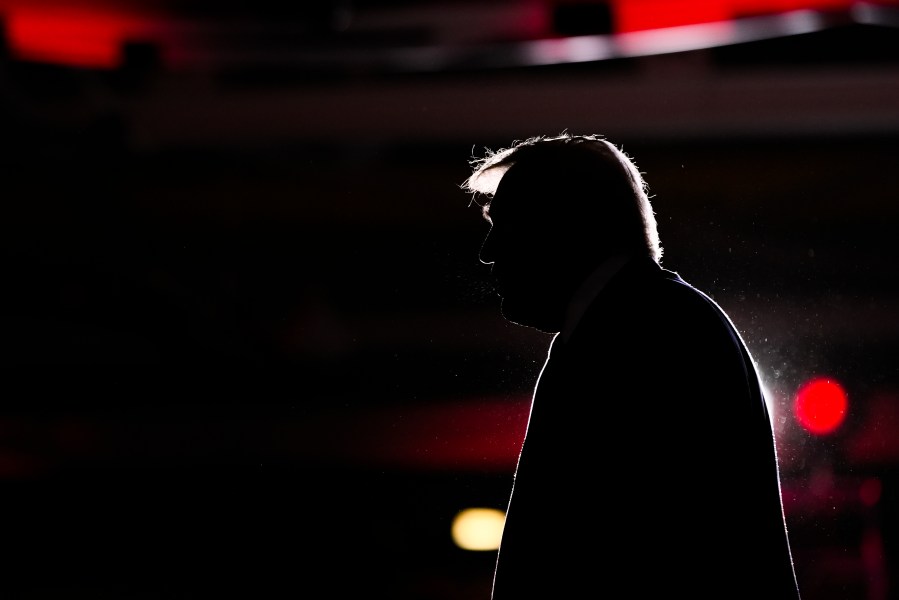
(645, 301)
(663, 291)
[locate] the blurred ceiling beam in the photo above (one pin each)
(669, 97)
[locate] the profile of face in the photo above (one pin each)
(526, 250)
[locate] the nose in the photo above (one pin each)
(486, 254)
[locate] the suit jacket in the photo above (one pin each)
(649, 467)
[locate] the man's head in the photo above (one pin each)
(558, 206)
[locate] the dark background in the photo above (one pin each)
(251, 351)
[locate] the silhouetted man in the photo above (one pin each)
(649, 467)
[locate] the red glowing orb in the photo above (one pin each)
(820, 405)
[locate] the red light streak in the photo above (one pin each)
(87, 34)
(91, 33)
(641, 15)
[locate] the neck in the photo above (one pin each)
(589, 288)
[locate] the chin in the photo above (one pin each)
(530, 316)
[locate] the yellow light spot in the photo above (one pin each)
(478, 528)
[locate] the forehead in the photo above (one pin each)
(521, 192)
